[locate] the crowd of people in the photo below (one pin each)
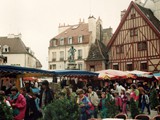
(28, 102)
(96, 102)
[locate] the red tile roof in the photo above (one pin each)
(75, 30)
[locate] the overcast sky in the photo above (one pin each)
(38, 20)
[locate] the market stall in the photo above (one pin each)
(16, 73)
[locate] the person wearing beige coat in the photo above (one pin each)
(93, 97)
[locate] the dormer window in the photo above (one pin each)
(61, 41)
(80, 39)
(5, 48)
(54, 43)
(70, 40)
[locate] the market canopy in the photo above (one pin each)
(8, 70)
(75, 73)
(105, 76)
(157, 75)
(114, 74)
(141, 73)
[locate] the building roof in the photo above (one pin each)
(149, 14)
(97, 51)
(75, 30)
(145, 13)
(15, 45)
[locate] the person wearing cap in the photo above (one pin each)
(46, 94)
(18, 103)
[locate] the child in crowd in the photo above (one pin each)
(124, 102)
(118, 100)
(37, 112)
(103, 108)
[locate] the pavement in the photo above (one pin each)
(152, 115)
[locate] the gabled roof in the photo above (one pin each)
(97, 51)
(15, 45)
(74, 30)
(149, 14)
(152, 21)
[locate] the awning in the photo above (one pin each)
(105, 76)
(7, 70)
(141, 73)
(157, 75)
(75, 73)
(116, 73)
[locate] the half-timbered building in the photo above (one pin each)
(135, 45)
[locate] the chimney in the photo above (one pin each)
(14, 36)
(10, 36)
(123, 13)
(80, 20)
(139, 2)
(92, 27)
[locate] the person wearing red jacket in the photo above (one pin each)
(18, 103)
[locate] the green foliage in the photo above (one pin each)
(62, 109)
(133, 108)
(6, 112)
(112, 109)
(153, 99)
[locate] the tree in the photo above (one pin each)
(112, 109)
(62, 109)
(153, 99)
(6, 112)
(133, 108)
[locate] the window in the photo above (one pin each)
(54, 43)
(92, 68)
(133, 16)
(70, 40)
(80, 39)
(62, 41)
(142, 45)
(80, 66)
(53, 56)
(61, 55)
(144, 66)
(5, 60)
(116, 67)
(80, 54)
(52, 67)
(133, 32)
(129, 67)
(120, 49)
(5, 48)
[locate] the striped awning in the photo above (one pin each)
(157, 75)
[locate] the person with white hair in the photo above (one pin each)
(119, 88)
